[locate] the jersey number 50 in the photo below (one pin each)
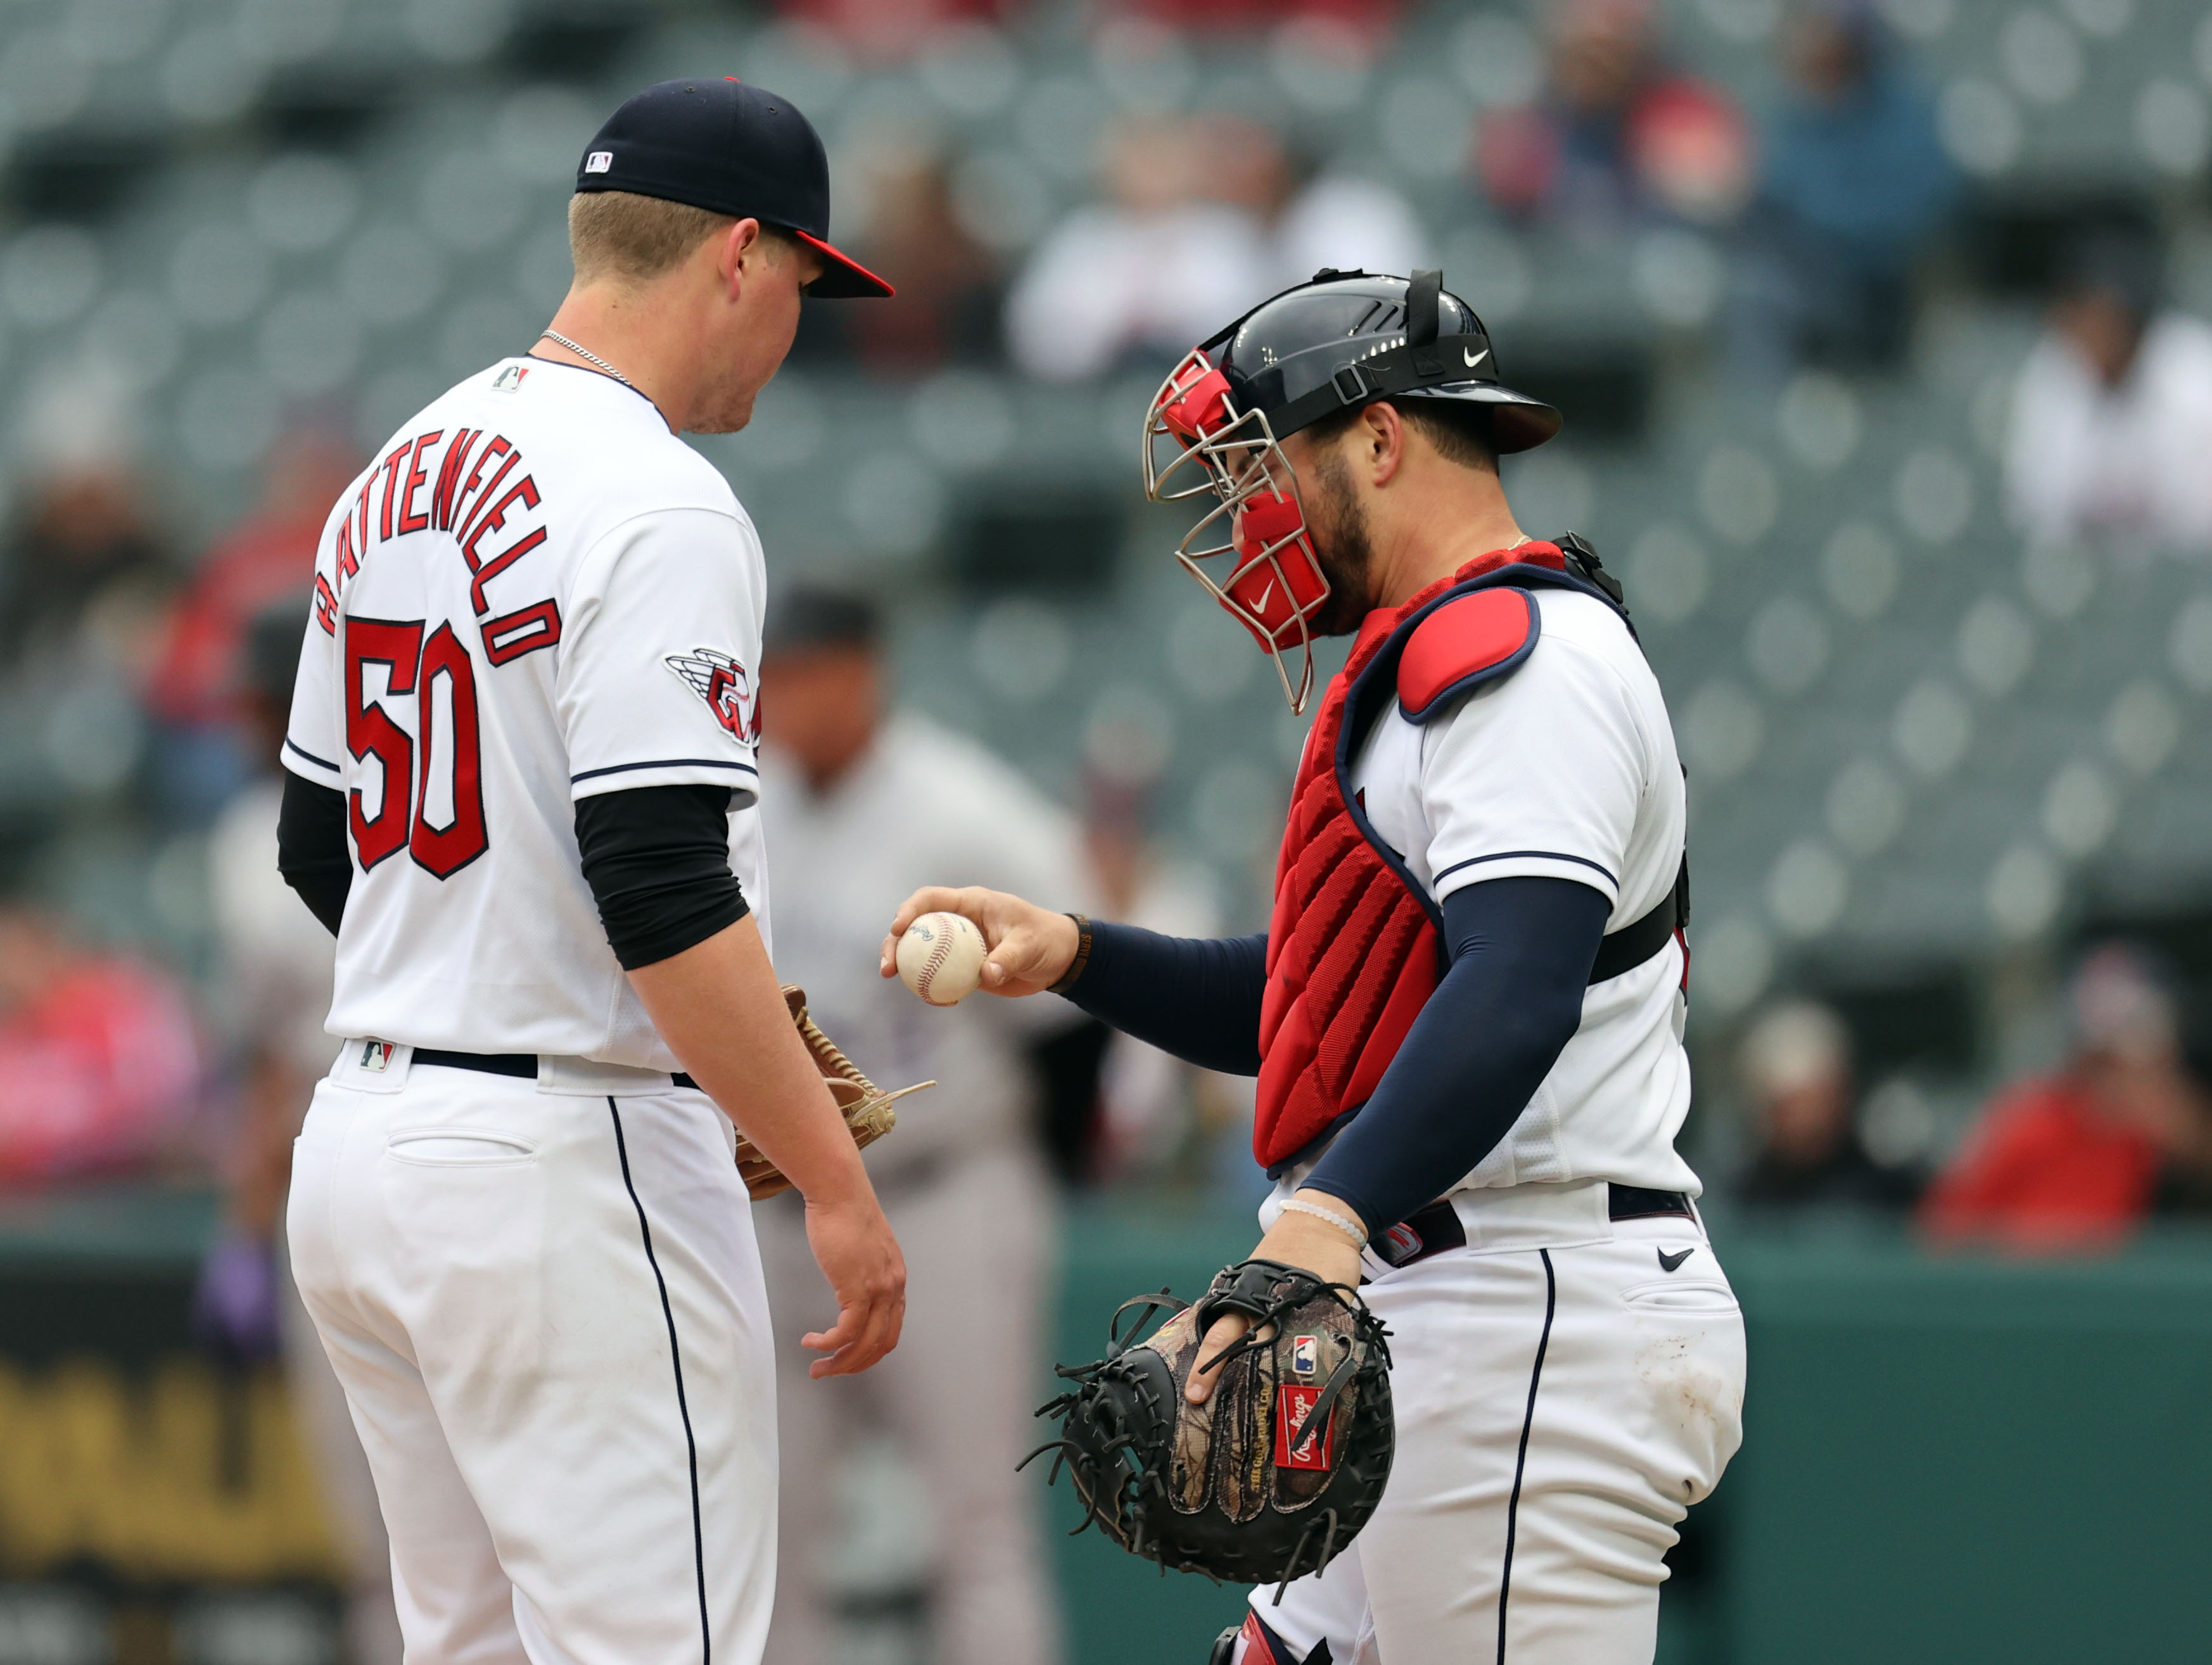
(414, 666)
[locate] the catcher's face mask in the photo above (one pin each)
(1252, 551)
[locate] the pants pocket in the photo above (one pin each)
(1689, 1368)
(1676, 1296)
(458, 1147)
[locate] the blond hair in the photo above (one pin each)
(621, 235)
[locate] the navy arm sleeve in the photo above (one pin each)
(1196, 997)
(1521, 951)
(657, 862)
(311, 847)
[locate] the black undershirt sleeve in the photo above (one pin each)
(1522, 949)
(657, 862)
(657, 859)
(1195, 997)
(312, 853)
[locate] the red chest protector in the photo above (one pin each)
(1355, 946)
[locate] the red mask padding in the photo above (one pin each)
(1199, 408)
(1278, 592)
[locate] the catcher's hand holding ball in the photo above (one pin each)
(1027, 949)
(941, 958)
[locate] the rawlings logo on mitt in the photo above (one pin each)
(866, 1106)
(1276, 1471)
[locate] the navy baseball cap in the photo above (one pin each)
(714, 143)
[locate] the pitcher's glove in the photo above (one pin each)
(1276, 1471)
(866, 1107)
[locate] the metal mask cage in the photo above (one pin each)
(1236, 457)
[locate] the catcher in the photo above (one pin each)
(1465, 1016)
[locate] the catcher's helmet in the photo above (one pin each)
(1341, 341)
(1347, 338)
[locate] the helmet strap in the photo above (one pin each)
(1421, 294)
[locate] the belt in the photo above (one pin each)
(521, 1063)
(1438, 1226)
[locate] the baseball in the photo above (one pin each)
(940, 957)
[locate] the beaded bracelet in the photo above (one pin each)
(1299, 1205)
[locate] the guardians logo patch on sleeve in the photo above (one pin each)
(720, 680)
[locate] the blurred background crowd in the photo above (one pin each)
(1880, 330)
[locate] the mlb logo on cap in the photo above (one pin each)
(714, 143)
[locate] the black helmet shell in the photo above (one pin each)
(1281, 355)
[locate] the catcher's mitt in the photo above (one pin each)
(1272, 1476)
(866, 1107)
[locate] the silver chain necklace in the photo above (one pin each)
(586, 353)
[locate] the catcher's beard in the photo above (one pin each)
(1341, 544)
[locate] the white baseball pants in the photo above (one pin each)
(1562, 1399)
(545, 1304)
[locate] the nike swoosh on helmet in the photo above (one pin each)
(1474, 359)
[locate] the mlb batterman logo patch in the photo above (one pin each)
(598, 161)
(721, 682)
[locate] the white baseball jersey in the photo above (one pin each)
(535, 594)
(1564, 769)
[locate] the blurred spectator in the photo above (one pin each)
(1140, 278)
(84, 568)
(1311, 217)
(1162, 1120)
(1797, 1064)
(194, 687)
(861, 807)
(1853, 182)
(99, 1063)
(1617, 135)
(893, 28)
(275, 958)
(2075, 1159)
(275, 961)
(269, 557)
(2111, 417)
(950, 288)
(1358, 18)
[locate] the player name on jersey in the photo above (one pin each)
(465, 500)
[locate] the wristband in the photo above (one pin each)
(1299, 1205)
(1082, 957)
